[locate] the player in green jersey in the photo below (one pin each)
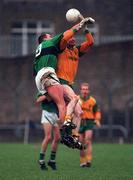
(45, 65)
(49, 123)
(50, 126)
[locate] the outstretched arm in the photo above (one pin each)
(70, 33)
(84, 47)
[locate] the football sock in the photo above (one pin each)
(52, 156)
(68, 118)
(42, 155)
(75, 134)
(88, 158)
(82, 160)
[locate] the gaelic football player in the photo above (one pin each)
(50, 126)
(46, 62)
(91, 116)
(67, 69)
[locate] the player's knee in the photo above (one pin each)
(48, 138)
(56, 93)
(75, 98)
(88, 141)
(56, 139)
(81, 139)
(78, 111)
(57, 136)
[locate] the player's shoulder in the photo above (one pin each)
(57, 37)
(93, 99)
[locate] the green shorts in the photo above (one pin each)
(62, 81)
(86, 125)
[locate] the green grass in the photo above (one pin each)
(110, 162)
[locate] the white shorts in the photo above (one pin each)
(49, 117)
(43, 80)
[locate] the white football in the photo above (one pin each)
(72, 15)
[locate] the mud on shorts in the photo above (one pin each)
(86, 124)
(49, 117)
(46, 77)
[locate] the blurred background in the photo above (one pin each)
(108, 67)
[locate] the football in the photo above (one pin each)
(72, 15)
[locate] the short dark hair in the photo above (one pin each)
(85, 84)
(41, 37)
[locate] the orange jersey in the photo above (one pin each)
(68, 60)
(68, 64)
(90, 109)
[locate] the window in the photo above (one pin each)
(24, 35)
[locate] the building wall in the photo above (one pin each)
(108, 69)
(113, 17)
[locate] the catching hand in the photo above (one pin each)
(87, 20)
(77, 27)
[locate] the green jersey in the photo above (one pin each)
(49, 106)
(46, 53)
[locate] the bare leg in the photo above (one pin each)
(77, 118)
(88, 141)
(72, 98)
(56, 138)
(82, 152)
(47, 137)
(71, 106)
(47, 131)
(57, 94)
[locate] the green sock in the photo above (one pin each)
(52, 156)
(42, 155)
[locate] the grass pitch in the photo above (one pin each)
(110, 162)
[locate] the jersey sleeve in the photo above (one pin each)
(66, 36)
(85, 46)
(56, 41)
(63, 38)
(97, 112)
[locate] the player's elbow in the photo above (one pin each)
(37, 101)
(90, 39)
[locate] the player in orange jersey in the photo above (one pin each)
(67, 69)
(91, 116)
